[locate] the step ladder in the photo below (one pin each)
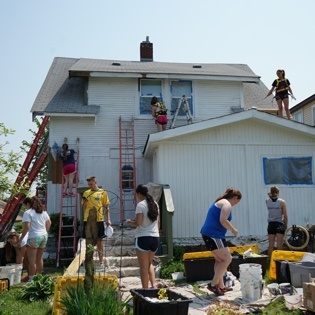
(68, 217)
(35, 159)
(127, 169)
(182, 104)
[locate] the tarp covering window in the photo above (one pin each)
(288, 171)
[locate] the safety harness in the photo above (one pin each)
(284, 87)
(162, 111)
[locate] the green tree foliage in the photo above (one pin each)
(9, 162)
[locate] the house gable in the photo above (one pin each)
(305, 111)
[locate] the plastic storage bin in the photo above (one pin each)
(282, 271)
(208, 254)
(199, 269)
(178, 304)
(300, 271)
(282, 255)
(237, 261)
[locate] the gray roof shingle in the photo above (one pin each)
(63, 89)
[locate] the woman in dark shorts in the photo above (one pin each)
(147, 221)
(213, 233)
(277, 219)
(282, 87)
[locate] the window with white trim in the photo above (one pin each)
(299, 117)
(288, 170)
(179, 89)
(313, 115)
(148, 89)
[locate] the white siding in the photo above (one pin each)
(200, 166)
(216, 98)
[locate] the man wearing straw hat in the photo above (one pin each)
(277, 219)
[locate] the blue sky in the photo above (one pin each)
(266, 35)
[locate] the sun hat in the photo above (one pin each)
(274, 192)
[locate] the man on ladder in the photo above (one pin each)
(182, 103)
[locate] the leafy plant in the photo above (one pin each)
(101, 299)
(18, 227)
(178, 252)
(41, 288)
(170, 267)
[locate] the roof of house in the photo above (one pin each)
(63, 89)
(302, 104)
(86, 67)
(155, 139)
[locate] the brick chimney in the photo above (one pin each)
(146, 50)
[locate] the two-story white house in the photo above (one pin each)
(228, 144)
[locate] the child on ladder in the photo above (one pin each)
(68, 169)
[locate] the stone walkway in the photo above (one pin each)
(200, 302)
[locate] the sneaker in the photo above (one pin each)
(215, 289)
(25, 279)
(64, 194)
(71, 194)
(101, 264)
(226, 289)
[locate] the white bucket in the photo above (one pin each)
(293, 302)
(177, 275)
(7, 272)
(251, 289)
(17, 272)
(252, 284)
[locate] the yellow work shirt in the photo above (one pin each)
(95, 198)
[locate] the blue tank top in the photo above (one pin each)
(212, 226)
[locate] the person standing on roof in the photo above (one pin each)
(282, 86)
(68, 169)
(159, 112)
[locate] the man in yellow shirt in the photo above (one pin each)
(98, 198)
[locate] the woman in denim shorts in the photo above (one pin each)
(36, 222)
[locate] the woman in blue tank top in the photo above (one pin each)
(213, 233)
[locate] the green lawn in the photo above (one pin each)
(11, 304)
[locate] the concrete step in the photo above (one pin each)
(119, 272)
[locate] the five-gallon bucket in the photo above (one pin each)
(7, 272)
(251, 281)
(17, 272)
(293, 302)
